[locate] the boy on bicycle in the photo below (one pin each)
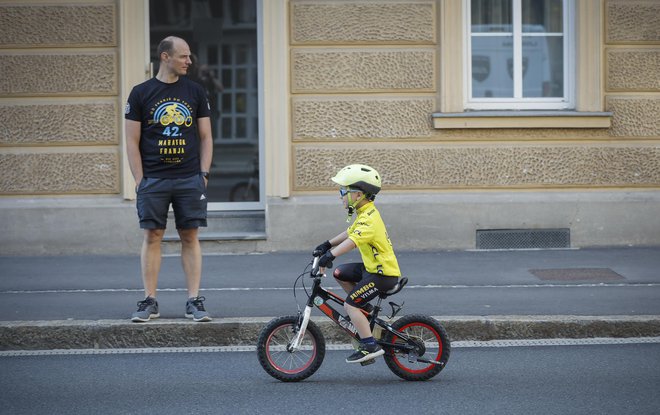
(379, 270)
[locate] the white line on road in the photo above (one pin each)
(408, 287)
(454, 345)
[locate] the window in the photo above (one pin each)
(519, 55)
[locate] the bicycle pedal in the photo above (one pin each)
(368, 362)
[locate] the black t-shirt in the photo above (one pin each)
(169, 144)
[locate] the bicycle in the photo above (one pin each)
(247, 191)
(292, 348)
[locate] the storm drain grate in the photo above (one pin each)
(577, 274)
(523, 238)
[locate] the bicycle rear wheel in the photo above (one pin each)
(283, 364)
(429, 340)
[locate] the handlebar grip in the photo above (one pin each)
(315, 268)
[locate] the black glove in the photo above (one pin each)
(326, 260)
(322, 249)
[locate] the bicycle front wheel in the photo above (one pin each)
(428, 339)
(273, 349)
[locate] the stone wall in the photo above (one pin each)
(59, 98)
(632, 52)
(364, 84)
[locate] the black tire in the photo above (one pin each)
(433, 344)
(283, 365)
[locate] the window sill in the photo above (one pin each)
(521, 119)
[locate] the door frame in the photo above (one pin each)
(136, 68)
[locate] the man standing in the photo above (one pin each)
(170, 146)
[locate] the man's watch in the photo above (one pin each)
(205, 175)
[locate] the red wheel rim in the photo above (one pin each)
(289, 357)
(430, 366)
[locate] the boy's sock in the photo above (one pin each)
(370, 342)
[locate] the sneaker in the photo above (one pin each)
(147, 309)
(365, 352)
(195, 309)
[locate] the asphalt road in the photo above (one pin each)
(441, 283)
(587, 379)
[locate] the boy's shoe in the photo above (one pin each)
(195, 309)
(365, 352)
(147, 309)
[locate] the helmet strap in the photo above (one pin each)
(351, 205)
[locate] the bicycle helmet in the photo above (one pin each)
(358, 177)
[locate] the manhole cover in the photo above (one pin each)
(577, 274)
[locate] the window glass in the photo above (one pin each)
(548, 51)
(492, 58)
(542, 16)
(491, 16)
(222, 35)
(517, 55)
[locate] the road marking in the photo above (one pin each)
(556, 342)
(226, 349)
(408, 287)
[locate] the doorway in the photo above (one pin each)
(222, 35)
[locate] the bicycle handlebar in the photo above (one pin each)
(315, 267)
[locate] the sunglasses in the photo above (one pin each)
(343, 191)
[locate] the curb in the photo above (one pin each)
(117, 334)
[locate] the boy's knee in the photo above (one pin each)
(336, 274)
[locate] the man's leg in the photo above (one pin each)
(150, 262)
(189, 205)
(150, 258)
(191, 259)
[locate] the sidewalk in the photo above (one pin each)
(86, 301)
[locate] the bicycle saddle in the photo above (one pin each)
(398, 287)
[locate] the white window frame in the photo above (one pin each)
(536, 103)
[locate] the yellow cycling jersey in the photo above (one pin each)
(370, 236)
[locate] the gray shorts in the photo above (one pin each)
(187, 197)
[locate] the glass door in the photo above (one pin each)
(222, 35)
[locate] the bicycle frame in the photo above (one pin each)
(324, 299)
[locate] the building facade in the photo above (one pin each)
(494, 124)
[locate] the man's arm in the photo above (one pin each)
(205, 143)
(133, 131)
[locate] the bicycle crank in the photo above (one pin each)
(413, 359)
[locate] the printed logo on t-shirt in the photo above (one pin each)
(173, 112)
(174, 115)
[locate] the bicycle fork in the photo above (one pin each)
(297, 340)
